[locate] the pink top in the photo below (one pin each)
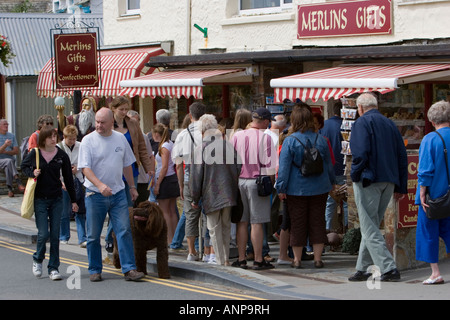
(248, 144)
(48, 156)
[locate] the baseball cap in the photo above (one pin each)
(262, 114)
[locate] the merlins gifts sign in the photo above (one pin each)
(345, 18)
(76, 60)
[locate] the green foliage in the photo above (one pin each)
(24, 6)
(351, 241)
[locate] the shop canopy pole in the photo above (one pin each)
(428, 97)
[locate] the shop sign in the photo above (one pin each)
(407, 210)
(76, 60)
(345, 18)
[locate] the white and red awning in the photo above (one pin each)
(115, 65)
(349, 79)
(178, 83)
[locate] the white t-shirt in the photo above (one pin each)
(106, 157)
(170, 169)
(73, 156)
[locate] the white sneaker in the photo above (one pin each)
(54, 275)
(205, 257)
(64, 241)
(83, 244)
(212, 259)
(285, 262)
(192, 257)
(37, 269)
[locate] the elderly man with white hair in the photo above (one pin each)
(8, 149)
(379, 170)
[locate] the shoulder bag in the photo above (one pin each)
(439, 208)
(27, 207)
(264, 183)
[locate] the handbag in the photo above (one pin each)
(264, 183)
(439, 208)
(264, 186)
(27, 207)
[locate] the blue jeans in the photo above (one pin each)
(80, 219)
(65, 217)
(48, 216)
(97, 206)
(108, 237)
(177, 241)
(331, 207)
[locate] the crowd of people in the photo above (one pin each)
(218, 172)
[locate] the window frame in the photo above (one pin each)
(267, 10)
(132, 11)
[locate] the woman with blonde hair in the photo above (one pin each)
(241, 120)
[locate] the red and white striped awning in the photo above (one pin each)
(346, 80)
(115, 65)
(178, 83)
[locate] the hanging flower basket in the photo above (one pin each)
(6, 53)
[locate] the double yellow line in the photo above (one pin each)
(164, 282)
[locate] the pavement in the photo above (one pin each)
(283, 282)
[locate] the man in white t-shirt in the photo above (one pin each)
(104, 156)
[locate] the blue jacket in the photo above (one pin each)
(332, 130)
(290, 180)
(378, 152)
(432, 172)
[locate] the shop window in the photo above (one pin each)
(263, 6)
(406, 106)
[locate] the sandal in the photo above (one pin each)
(263, 265)
(318, 264)
(438, 280)
(240, 264)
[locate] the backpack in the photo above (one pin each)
(312, 163)
(24, 146)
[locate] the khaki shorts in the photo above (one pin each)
(256, 208)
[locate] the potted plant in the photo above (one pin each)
(6, 53)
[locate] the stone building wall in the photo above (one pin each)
(34, 6)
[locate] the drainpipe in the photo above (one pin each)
(12, 107)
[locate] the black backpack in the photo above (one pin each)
(312, 160)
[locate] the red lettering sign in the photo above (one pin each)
(76, 60)
(346, 18)
(407, 210)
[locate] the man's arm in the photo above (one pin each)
(103, 188)
(180, 176)
(14, 151)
